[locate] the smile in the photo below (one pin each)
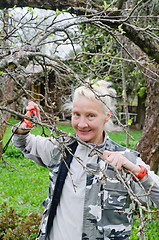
(81, 131)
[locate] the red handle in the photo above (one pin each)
(33, 113)
(28, 123)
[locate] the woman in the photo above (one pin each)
(88, 202)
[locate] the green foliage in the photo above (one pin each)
(142, 92)
(121, 29)
(153, 229)
(58, 12)
(129, 122)
(104, 59)
(109, 6)
(13, 226)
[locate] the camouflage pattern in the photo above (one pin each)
(103, 198)
(100, 222)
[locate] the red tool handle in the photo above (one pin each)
(28, 123)
(32, 114)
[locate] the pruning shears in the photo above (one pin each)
(33, 114)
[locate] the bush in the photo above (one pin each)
(13, 226)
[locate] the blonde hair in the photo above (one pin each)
(101, 91)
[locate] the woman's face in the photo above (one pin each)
(88, 119)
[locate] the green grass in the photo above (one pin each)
(26, 189)
(120, 138)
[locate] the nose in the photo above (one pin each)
(82, 123)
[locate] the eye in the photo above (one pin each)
(76, 114)
(91, 115)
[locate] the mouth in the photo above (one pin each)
(84, 131)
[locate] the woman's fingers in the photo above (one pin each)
(34, 106)
(119, 161)
(115, 158)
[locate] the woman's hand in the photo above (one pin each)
(34, 106)
(24, 128)
(119, 161)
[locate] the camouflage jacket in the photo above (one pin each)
(111, 217)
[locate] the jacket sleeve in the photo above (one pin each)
(152, 182)
(39, 149)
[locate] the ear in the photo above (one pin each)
(109, 113)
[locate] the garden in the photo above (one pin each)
(47, 50)
(24, 186)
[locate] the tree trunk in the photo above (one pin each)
(141, 112)
(6, 116)
(44, 4)
(144, 41)
(148, 144)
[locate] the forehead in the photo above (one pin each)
(87, 104)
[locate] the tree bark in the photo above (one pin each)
(44, 4)
(143, 41)
(141, 112)
(148, 144)
(6, 115)
(3, 126)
